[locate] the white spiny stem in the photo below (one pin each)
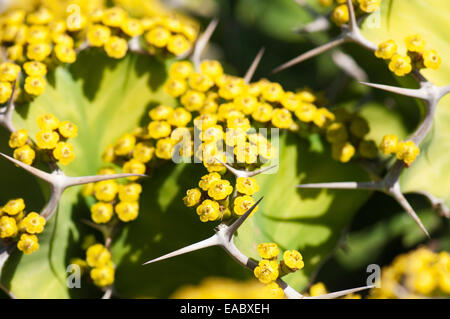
(4, 255)
(239, 173)
(74, 181)
(6, 114)
(202, 41)
(52, 204)
(251, 71)
(108, 293)
(231, 230)
(312, 53)
(30, 169)
(443, 91)
(341, 293)
(427, 123)
(344, 185)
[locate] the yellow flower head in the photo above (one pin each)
(35, 69)
(212, 68)
(242, 204)
(274, 291)
(282, 118)
(127, 211)
(317, 290)
(431, 59)
(28, 244)
(98, 35)
(33, 223)
(9, 72)
(47, 139)
(103, 276)
(192, 197)
(389, 144)
(247, 185)
(273, 92)
(293, 260)
(181, 70)
(106, 190)
(386, 50)
(291, 101)
(160, 113)
(48, 122)
(306, 112)
(165, 148)
(41, 16)
(5, 91)
(130, 192)
(159, 129)
(35, 85)
(208, 210)
(193, 100)
(415, 43)
(65, 53)
(114, 17)
(37, 34)
(207, 180)
(369, 5)
(220, 189)
(200, 82)
(340, 15)
(38, 51)
(8, 227)
(98, 256)
(124, 145)
(322, 117)
(133, 166)
(268, 250)
(266, 271)
(143, 152)
(25, 154)
(343, 152)
(64, 153)
(263, 113)
(175, 87)
(407, 152)
(400, 65)
(67, 129)
(14, 206)
(246, 104)
(18, 139)
(116, 47)
(101, 212)
(158, 37)
(132, 27)
(178, 44)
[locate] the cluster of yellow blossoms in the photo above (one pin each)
(416, 58)
(269, 270)
(99, 264)
(215, 195)
(17, 225)
(51, 140)
(420, 273)
(405, 151)
(37, 39)
(347, 137)
(221, 288)
(123, 199)
(340, 14)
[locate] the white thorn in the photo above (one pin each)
(211, 241)
(34, 171)
(312, 53)
(353, 25)
(349, 65)
(397, 194)
(436, 203)
(415, 93)
(319, 24)
(73, 181)
(5, 252)
(251, 71)
(231, 230)
(260, 171)
(443, 91)
(343, 185)
(108, 293)
(203, 41)
(341, 293)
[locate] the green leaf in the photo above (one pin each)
(105, 98)
(311, 221)
(400, 19)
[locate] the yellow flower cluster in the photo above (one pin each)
(347, 137)
(221, 288)
(340, 14)
(420, 273)
(405, 151)
(100, 265)
(9, 72)
(123, 199)
(416, 58)
(217, 200)
(170, 33)
(268, 269)
(51, 139)
(17, 225)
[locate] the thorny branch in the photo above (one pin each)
(428, 92)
